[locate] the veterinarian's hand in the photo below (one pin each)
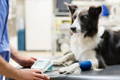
(22, 60)
(31, 74)
(27, 61)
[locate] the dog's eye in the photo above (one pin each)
(74, 17)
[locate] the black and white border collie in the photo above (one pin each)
(90, 41)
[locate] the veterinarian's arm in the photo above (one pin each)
(22, 60)
(23, 74)
(7, 69)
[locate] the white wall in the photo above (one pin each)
(38, 24)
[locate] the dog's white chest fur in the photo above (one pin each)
(83, 48)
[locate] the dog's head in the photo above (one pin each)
(86, 21)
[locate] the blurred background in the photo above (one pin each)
(41, 27)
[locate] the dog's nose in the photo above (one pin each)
(73, 29)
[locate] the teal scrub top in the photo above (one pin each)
(4, 41)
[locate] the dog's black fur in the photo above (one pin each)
(109, 48)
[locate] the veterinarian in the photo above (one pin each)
(6, 51)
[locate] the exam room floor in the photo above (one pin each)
(38, 55)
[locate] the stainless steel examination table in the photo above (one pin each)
(110, 73)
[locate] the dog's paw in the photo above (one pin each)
(98, 69)
(57, 62)
(67, 63)
(64, 60)
(66, 70)
(70, 69)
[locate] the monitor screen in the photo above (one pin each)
(60, 7)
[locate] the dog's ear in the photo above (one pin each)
(72, 8)
(95, 11)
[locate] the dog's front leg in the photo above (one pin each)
(68, 57)
(95, 65)
(98, 63)
(70, 69)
